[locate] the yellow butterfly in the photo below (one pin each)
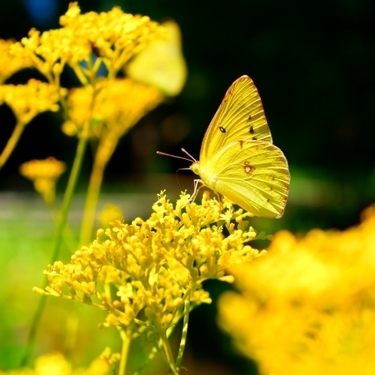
(237, 157)
(161, 63)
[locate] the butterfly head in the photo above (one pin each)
(196, 168)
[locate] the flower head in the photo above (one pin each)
(113, 37)
(317, 293)
(142, 273)
(44, 174)
(111, 113)
(29, 100)
(9, 64)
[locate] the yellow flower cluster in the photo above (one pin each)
(8, 63)
(57, 364)
(97, 46)
(44, 174)
(308, 306)
(114, 37)
(27, 101)
(117, 105)
(144, 272)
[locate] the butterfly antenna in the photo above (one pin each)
(177, 157)
(192, 158)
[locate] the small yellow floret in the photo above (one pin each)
(44, 174)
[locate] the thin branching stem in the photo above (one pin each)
(61, 222)
(103, 154)
(12, 142)
(184, 333)
(167, 353)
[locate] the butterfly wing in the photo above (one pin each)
(252, 174)
(161, 63)
(240, 116)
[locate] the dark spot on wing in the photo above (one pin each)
(251, 129)
(254, 138)
(250, 118)
(248, 168)
(222, 129)
(241, 143)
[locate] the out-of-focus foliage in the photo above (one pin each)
(57, 364)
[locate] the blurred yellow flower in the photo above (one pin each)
(113, 37)
(308, 306)
(10, 64)
(27, 101)
(161, 63)
(143, 273)
(57, 364)
(117, 106)
(109, 214)
(44, 174)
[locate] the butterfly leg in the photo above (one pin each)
(196, 189)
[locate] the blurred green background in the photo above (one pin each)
(313, 63)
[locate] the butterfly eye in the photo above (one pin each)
(222, 129)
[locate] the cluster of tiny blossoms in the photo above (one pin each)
(318, 294)
(143, 273)
(112, 115)
(27, 101)
(8, 63)
(44, 174)
(96, 46)
(114, 37)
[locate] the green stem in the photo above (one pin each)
(102, 156)
(92, 197)
(184, 333)
(167, 352)
(124, 352)
(57, 240)
(150, 357)
(68, 196)
(12, 142)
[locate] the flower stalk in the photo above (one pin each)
(11, 143)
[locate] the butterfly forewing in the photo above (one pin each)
(252, 174)
(239, 117)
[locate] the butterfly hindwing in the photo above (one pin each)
(240, 116)
(252, 174)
